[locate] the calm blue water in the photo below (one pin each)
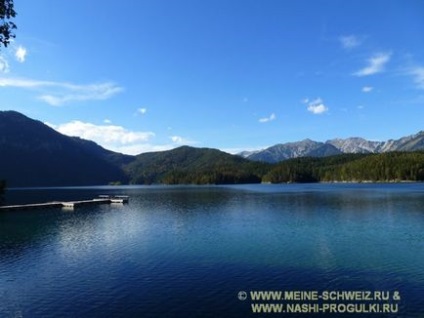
(187, 251)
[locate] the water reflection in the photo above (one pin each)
(176, 247)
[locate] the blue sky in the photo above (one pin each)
(138, 76)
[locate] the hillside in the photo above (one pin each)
(33, 154)
(188, 165)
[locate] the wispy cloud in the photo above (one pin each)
(60, 93)
(268, 119)
(20, 54)
(367, 89)
(349, 42)
(79, 93)
(418, 75)
(375, 65)
(4, 65)
(316, 106)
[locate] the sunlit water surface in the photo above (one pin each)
(187, 251)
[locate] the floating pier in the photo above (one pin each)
(115, 198)
(103, 199)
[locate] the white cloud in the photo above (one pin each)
(177, 139)
(147, 147)
(367, 89)
(118, 138)
(20, 54)
(108, 136)
(418, 74)
(238, 150)
(107, 121)
(142, 111)
(23, 83)
(60, 93)
(317, 106)
(349, 42)
(4, 65)
(267, 119)
(375, 65)
(137, 149)
(181, 140)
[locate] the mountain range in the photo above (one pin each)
(310, 148)
(34, 154)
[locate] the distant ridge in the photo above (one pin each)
(310, 148)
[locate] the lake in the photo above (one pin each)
(206, 251)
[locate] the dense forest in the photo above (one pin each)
(188, 165)
(385, 167)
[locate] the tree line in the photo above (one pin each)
(227, 169)
(386, 167)
(218, 173)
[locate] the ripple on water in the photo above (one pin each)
(174, 249)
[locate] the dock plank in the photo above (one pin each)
(74, 204)
(68, 204)
(31, 206)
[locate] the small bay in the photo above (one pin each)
(187, 251)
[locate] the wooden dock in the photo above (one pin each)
(115, 198)
(31, 206)
(104, 199)
(74, 204)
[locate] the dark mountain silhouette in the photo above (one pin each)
(33, 154)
